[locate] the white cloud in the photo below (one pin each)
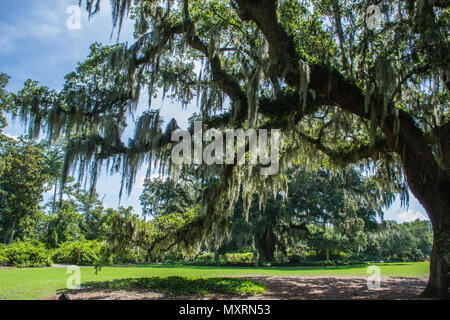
(153, 175)
(40, 23)
(12, 136)
(410, 215)
(8, 36)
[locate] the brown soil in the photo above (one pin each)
(281, 288)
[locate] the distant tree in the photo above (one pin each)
(410, 241)
(79, 215)
(325, 240)
(22, 184)
(360, 241)
(394, 243)
(421, 230)
(64, 225)
(6, 105)
(54, 157)
(164, 196)
(344, 200)
(124, 231)
(89, 205)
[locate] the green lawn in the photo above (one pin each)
(33, 283)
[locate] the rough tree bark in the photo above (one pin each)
(265, 244)
(433, 192)
(13, 229)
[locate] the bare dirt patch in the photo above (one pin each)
(341, 288)
(284, 288)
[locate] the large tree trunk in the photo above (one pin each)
(5, 237)
(13, 229)
(216, 256)
(431, 186)
(438, 211)
(265, 244)
(54, 196)
(438, 283)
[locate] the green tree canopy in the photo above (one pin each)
(22, 183)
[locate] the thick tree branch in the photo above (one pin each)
(153, 50)
(345, 156)
(329, 83)
(340, 33)
(228, 84)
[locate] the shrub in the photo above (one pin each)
(127, 256)
(175, 286)
(205, 258)
(84, 252)
(244, 258)
(238, 258)
(173, 258)
(339, 255)
(295, 259)
(25, 254)
(3, 258)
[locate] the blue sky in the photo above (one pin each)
(35, 43)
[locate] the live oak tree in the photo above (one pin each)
(344, 87)
(345, 201)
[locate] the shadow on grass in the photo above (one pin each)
(253, 268)
(309, 288)
(398, 264)
(176, 286)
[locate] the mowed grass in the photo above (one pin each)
(35, 283)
